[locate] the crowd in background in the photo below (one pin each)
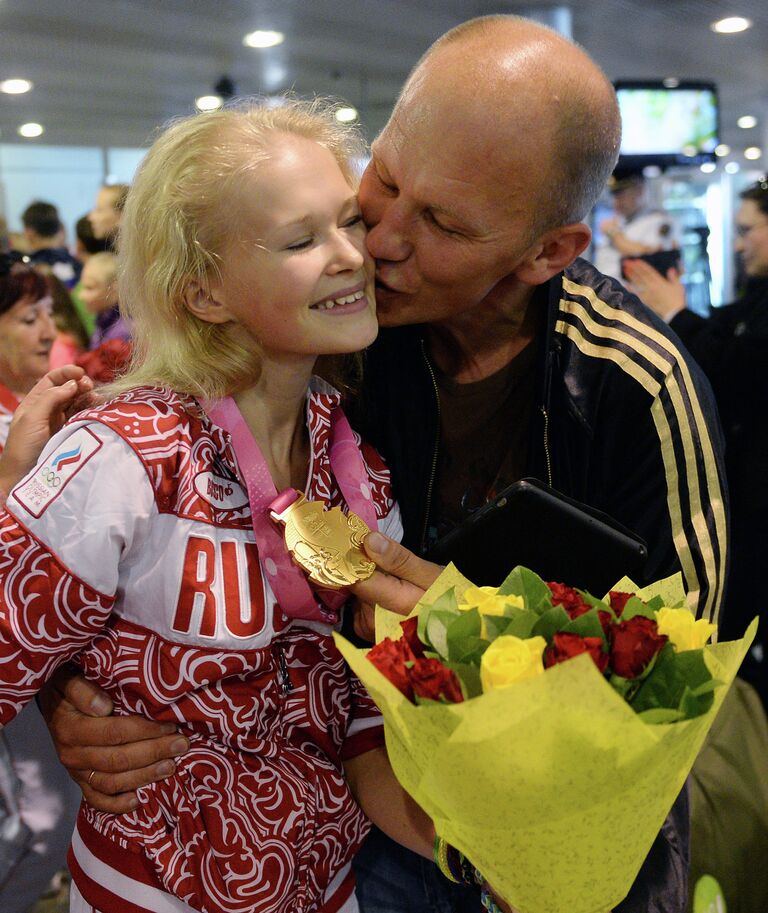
(66, 310)
(58, 306)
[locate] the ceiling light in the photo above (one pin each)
(753, 152)
(346, 115)
(732, 167)
(708, 167)
(722, 149)
(746, 122)
(671, 82)
(31, 130)
(15, 86)
(263, 39)
(731, 24)
(208, 102)
(689, 150)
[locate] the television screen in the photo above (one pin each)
(665, 126)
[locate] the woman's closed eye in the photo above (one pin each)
(301, 244)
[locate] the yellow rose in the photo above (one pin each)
(683, 630)
(487, 601)
(511, 659)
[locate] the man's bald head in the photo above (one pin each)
(530, 104)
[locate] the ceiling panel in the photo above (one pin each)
(108, 72)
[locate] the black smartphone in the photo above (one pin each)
(661, 261)
(559, 538)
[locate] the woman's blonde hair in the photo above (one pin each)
(178, 218)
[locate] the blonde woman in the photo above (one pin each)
(140, 546)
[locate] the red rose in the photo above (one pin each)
(618, 601)
(410, 636)
(389, 657)
(568, 598)
(430, 678)
(567, 645)
(606, 620)
(634, 643)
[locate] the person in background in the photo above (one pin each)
(729, 795)
(731, 345)
(107, 212)
(98, 292)
(634, 229)
(86, 245)
(42, 233)
(72, 338)
(37, 805)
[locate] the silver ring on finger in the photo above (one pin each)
(91, 776)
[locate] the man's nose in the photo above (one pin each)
(390, 237)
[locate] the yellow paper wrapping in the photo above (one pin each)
(553, 787)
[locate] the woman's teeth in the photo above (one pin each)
(346, 299)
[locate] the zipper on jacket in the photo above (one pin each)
(546, 446)
(433, 471)
(286, 686)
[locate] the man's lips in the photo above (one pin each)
(381, 285)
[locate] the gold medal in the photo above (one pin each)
(327, 544)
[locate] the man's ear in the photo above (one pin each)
(205, 302)
(555, 250)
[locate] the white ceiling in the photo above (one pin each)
(108, 72)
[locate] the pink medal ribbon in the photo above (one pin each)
(289, 584)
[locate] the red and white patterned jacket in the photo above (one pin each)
(129, 548)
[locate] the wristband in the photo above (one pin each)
(453, 864)
(488, 902)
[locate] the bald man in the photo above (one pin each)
(503, 355)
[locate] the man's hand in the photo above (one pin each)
(665, 296)
(400, 581)
(41, 414)
(107, 756)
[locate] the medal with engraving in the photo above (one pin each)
(327, 544)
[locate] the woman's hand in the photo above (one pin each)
(41, 413)
(664, 296)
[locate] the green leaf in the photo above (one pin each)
(471, 652)
(466, 624)
(677, 681)
(626, 687)
(635, 607)
(655, 604)
(551, 622)
(437, 632)
(660, 715)
(525, 583)
(596, 603)
(469, 677)
(586, 625)
(463, 637)
(447, 604)
(521, 623)
(496, 625)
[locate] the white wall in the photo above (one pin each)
(67, 176)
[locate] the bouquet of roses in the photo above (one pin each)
(547, 732)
